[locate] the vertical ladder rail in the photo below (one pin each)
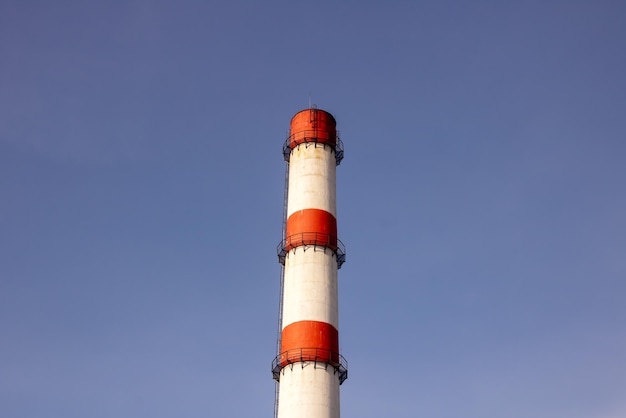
(282, 287)
(282, 269)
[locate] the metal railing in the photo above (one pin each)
(316, 355)
(281, 291)
(319, 137)
(317, 239)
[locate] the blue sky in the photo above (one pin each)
(481, 201)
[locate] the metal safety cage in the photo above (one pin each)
(314, 355)
(313, 137)
(315, 239)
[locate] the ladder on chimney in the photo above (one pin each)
(282, 286)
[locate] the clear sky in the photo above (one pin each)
(481, 200)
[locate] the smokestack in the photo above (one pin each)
(308, 367)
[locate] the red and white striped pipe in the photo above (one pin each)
(309, 364)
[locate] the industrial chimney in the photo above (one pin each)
(308, 368)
